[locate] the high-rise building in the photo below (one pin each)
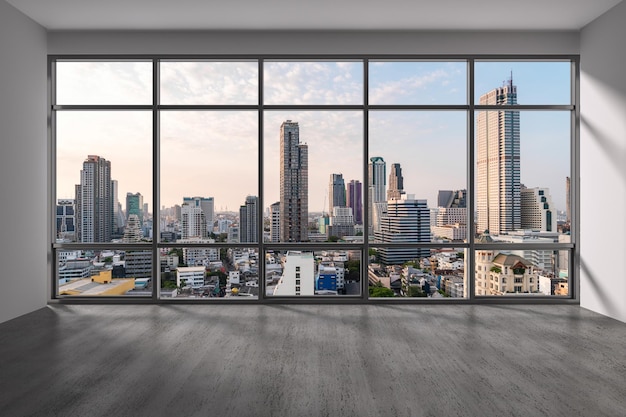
(193, 221)
(396, 183)
(537, 210)
(132, 231)
(568, 207)
(354, 200)
(377, 200)
(94, 201)
(118, 214)
(341, 223)
(247, 220)
(207, 205)
(336, 192)
(66, 220)
(450, 221)
(294, 183)
(134, 205)
(406, 221)
(275, 222)
(498, 163)
(298, 274)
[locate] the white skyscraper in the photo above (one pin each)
(498, 163)
(207, 205)
(538, 212)
(193, 221)
(377, 199)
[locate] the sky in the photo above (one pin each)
(214, 153)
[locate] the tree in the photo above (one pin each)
(333, 238)
(415, 291)
(108, 260)
(496, 269)
(460, 255)
(379, 291)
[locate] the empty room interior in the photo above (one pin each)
(314, 208)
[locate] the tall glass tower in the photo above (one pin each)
(498, 200)
(294, 184)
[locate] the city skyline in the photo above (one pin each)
(200, 149)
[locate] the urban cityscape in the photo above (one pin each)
(506, 210)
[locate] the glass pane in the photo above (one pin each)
(209, 82)
(209, 272)
(417, 176)
(524, 272)
(103, 83)
(321, 82)
(522, 175)
(104, 173)
(209, 176)
(106, 272)
(417, 83)
(523, 83)
(417, 272)
(332, 272)
(312, 159)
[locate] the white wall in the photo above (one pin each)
(603, 164)
(252, 42)
(23, 164)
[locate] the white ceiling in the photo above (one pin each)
(313, 14)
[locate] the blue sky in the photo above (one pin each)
(214, 153)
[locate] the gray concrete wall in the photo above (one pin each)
(330, 42)
(23, 164)
(603, 164)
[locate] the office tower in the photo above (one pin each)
(145, 211)
(275, 222)
(134, 205)
(132, 231)
(568, 207)
(498, 163)
(66, 220)
(396, 183)
(336, 192)
(247, 220)
(294, 182)
(206, 204)
(377, 187)
(94, 201)
(450, 220)
(537, 210)
(193, 221)
(354, 200)
(341, 222)
(406, 221)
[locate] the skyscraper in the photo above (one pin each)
(396, 183)
(537, 210)
(193, 221)
(354, 200)
(407, 220)
(498, 163)
(294, 182)
(94, 201)
(377, 187)
(247, 220)
(207, 205)
(134, 205)
(336, 192)
(275, 222)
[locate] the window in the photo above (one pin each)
(332, 178)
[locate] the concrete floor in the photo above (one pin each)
(312, 360)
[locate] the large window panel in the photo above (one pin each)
(209, 176)
(523, 176)
(206, 272)
(104, 173)
(412, 272)
(332, 272)
(417, 83)
(319, 82)
(104, 273)
(522, 272)
(417, 176)
(209, 82)
(312, 161)
(540, 83)
(104, 83)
